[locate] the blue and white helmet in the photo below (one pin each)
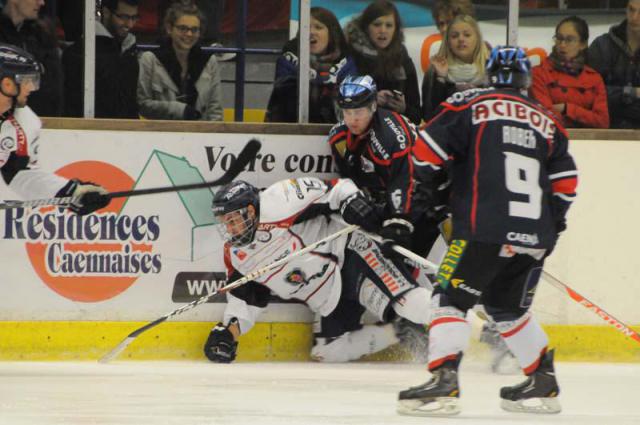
(508, 66)
(357, 92)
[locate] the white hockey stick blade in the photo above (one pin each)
(247, 278)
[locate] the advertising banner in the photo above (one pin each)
(140, 257)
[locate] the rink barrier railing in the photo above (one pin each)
(266, 128)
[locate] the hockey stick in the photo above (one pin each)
(244, 157)
(620, 326)
(549, 278)
(249, 277)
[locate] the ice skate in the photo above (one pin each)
(538, 394)
(438, 397)
(414, 337)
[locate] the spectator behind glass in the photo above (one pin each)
(616, 56)
(20, 26)
(568, 87)
(376, 39)
(116, 73)
(443, 12)
(459, 64)
(330, 64)
(179, 81)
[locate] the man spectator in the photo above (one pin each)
(616, 56)
(443, 12)
(116, 73)
(20, 26)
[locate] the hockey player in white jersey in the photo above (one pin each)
(19, 138)
(336, 280)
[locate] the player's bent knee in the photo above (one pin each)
(414, 305)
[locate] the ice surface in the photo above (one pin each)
(199, 393)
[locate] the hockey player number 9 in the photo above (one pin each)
(522, 175)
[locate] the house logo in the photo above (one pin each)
(88, 258)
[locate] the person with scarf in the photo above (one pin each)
(458, 66)
(376, 38)
(563, 83)
(179, 81)
(330, 63)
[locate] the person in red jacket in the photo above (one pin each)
(568, 87)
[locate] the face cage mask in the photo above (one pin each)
(245, 236)
(340, 114)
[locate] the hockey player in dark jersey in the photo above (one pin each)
(19, 134)
(372, 146)
(512, 182)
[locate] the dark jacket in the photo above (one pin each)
(610, 55)
(116, 77)
(434, 92)
(36, 38)
(323, 85)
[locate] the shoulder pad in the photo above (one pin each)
(287, 198)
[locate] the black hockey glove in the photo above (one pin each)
(86, 197)
(359, 210)
(191, 114)
(221, 347)
(395, 231)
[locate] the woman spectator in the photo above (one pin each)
(458, 65)
(564, 84)
(376, 39)
(330, 63)
(179, 81)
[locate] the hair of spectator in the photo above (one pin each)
(452, 7)
(579, 24)
(112, 5)
(337, 40)
(183, 8)
(480, 53)
(382, 8)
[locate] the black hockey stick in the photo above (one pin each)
(247, 278)
(245, 157)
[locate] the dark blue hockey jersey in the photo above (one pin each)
(512, 177)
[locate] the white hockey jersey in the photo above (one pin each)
(19, 142)
(293, 214)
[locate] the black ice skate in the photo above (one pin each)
(438, 397)
(414, 337)
(538, 394)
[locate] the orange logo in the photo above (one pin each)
(94, 257)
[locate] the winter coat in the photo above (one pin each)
(324, 80)
(610, 55)
(40, 41)
(585, 95)
(116, 76)
(403, 79)
(163, 95)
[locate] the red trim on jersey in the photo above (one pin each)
(533, 366)
(474, 201)
(337, 137)
(437, 363)
(516, 329)
(433, 119)
(446, 319)
(321, 285)
(567, 186)
(423, 152)
(22, 148)
(376, 159)
(227, 259)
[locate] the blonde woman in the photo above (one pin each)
(458, 66)
(179, 81)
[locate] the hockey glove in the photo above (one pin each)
(395, 231)
(221, 347)
(358, 210)
(86, 197)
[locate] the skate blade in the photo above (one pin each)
(440, 406)
(540, 405)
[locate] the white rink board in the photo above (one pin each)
(596, 256)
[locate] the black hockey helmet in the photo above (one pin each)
(19, 65)
(357, 92)
(508, 66)
(231, 207)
